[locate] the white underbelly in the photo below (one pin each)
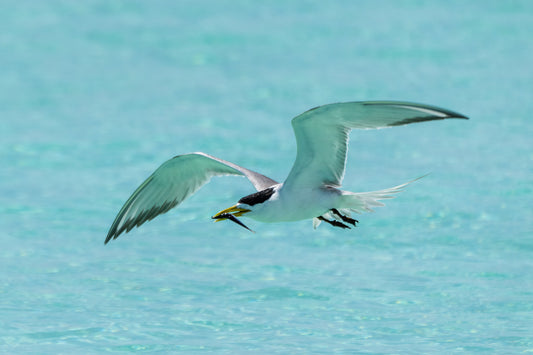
(296, 205)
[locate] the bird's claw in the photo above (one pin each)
(344, 218)
(334, 223)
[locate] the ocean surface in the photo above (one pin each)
(95, 95)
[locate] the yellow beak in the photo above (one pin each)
(237, 211)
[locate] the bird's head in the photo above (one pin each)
(232, 213)
(245, 205)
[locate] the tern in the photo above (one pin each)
(310, 191)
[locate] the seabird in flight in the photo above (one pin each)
(310, 191)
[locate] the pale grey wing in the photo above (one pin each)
(259, 181)
(322, 135)
(173, 182)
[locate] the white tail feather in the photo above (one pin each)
(360, 202)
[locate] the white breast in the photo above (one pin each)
(293, 205)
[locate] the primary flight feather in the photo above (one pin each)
(310, 191)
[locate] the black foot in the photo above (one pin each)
(344, 218)
(334, 223)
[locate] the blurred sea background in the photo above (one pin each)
(95, 95)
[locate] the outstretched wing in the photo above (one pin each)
(322, 135)
(173, 182)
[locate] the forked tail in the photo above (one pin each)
(360, 202)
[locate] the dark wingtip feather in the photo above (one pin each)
(446, 112)
(137, 221)
(112, 234)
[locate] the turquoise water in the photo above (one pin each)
(94, 95)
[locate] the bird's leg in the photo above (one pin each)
(334, 223)
(345, 218)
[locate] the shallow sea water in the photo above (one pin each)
(95, 95)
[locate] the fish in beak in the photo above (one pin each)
(232, 213)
